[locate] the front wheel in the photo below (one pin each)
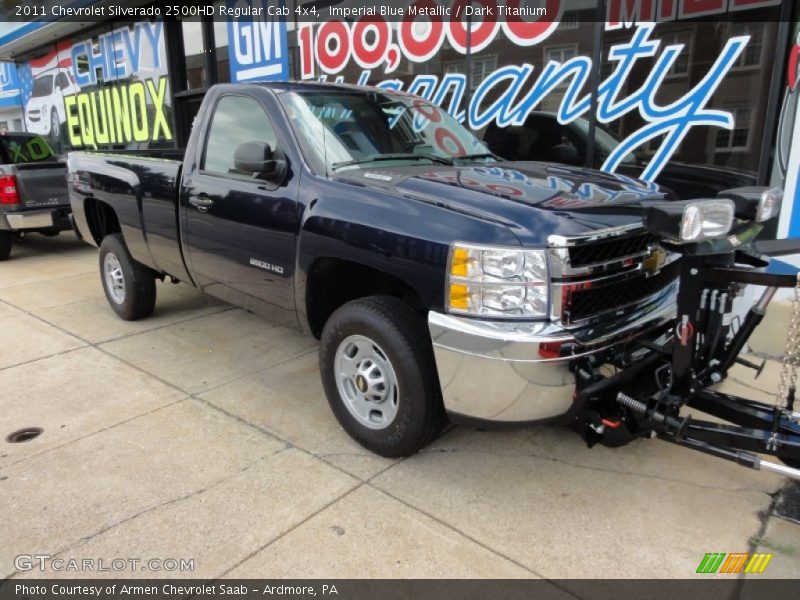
(130, 287)
(378, 372)
(55, 125)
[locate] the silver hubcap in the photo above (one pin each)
(366, 382)
(115, 281)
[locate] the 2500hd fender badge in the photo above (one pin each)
(266, 266)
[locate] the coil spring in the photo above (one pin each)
(639, 407)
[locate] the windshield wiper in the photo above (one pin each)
(479, 155)
(395, 156)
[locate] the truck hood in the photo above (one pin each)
(532, 198)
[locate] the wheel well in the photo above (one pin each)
(333, 282)
(101, 218)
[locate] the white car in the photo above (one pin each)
(44, 112)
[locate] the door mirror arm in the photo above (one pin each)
(258, 160)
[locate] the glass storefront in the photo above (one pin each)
(681, 100)
(107, 88)
(670, 97)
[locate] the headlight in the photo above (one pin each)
(769, 204)
(755, 203)
(690, 221)
(497, 282)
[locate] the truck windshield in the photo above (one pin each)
(344, 130)
(43, 86)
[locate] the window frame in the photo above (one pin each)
(571, 21)
(460, 67)
(739, 68)
(561, 47)
(564, 83)
(729, 147)
(670, 38)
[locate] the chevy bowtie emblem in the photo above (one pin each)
(654, 260)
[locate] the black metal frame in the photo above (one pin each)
(696, 354)
(758, 427)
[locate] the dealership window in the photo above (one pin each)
(446, 61)
(539, 135)
(221, 48)
(195, 52)
(742, 89)
(444, 75)
(738, 138)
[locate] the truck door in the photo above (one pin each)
(239, 230)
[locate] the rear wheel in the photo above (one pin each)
(378, 372)
(130, 287)
(5, 244)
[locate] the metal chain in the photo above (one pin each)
(791, 352)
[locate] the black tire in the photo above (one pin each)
(55, 125)
(5, 244)
(401, 335)
(135, 298)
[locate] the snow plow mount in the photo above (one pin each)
(679, 363)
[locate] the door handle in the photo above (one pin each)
(201, 202)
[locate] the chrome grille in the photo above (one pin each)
(611, 250)
(606, 271)
(582, 303)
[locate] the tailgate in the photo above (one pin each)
(41, 177)
(42, 185)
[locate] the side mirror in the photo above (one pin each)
(566, 154)
(257, 159)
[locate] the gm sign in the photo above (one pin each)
(9, 85)
(8, 78)
(257, 45)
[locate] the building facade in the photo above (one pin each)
(694, 95)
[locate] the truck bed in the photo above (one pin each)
(142, 188)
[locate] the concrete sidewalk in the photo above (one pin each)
(202, 433)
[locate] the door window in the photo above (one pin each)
(237, 119)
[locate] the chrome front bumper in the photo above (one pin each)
(500, 371)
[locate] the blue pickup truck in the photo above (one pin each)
(441, 280)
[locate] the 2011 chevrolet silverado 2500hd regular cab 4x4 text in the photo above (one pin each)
(440, 279)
